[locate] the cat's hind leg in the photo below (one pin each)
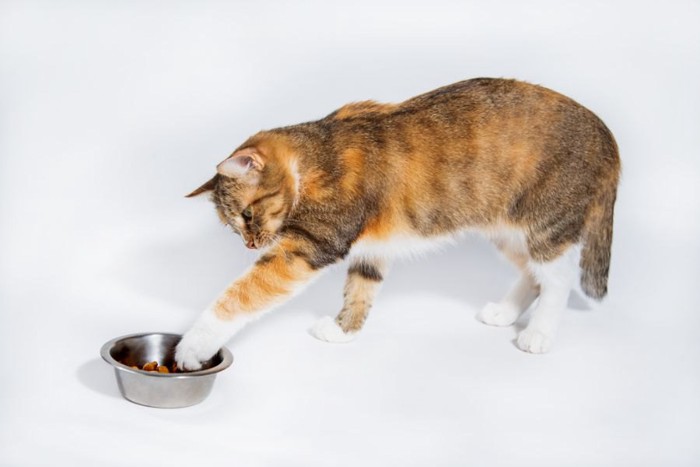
(556, 278)
(522, 293)
(363, 281)
(517, 300)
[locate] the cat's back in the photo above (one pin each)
(479, 150)
(482, 111)
(475, 90)
(505, 123)
(492, 99)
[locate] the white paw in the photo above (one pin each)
(498, 314)
(326, 329)
(196, 346)
(534, 341)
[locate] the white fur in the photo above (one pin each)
(498, 314)
(507, 237)
(294, 170)
(535, 341)
(326, 329)
(507, 311)
(523, 293)
(406, 245)
(399, 246)
(206, 337)
(556, 279)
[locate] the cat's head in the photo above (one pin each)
(254, 190)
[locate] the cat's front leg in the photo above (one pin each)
(275, 277)
(204, 339)
(362, 284)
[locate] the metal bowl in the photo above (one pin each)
(154, 389)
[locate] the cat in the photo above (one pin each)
(530, 168)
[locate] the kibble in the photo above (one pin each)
(154, 366)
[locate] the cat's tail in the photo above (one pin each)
(597, 234)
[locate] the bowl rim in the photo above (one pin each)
(226, 358)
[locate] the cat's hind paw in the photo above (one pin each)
(534, 341)
(498, 314)
(326, 329)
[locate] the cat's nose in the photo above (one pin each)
(251, 244)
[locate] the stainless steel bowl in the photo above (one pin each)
(163, 390)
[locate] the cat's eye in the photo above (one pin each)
(247, 213)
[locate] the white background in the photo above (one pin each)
(110, 112)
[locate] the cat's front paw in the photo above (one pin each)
(326, 329)
(498, 314)
(196, 346)
(534, 341)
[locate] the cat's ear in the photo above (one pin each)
(209, 186)
(241, 163)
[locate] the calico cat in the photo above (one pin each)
(528, 167)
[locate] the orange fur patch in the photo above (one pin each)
(314, 185)
(353, 163)
(359, 108)
(381, 227)
(265, 283)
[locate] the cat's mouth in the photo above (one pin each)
(256, 241)
(249, 241)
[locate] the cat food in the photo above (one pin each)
(154, 366)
